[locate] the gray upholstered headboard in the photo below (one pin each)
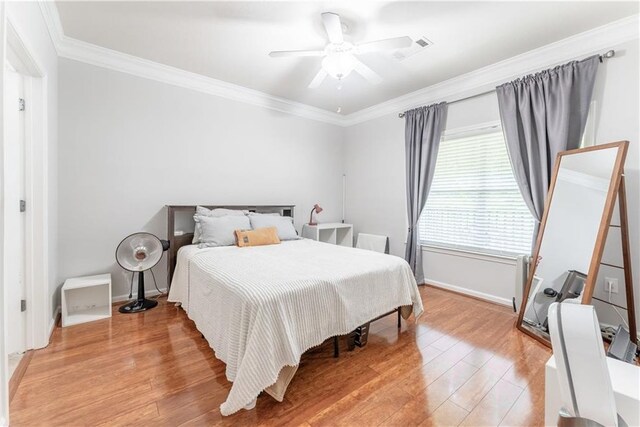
(186, 212)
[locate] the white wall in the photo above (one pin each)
(376, 201)
(618, 118)
(129, 146)
(29, 22)
(118, 170)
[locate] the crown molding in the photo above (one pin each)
(77, 50)
(117, 61)
(475, 82)
(52, 20)
(590, 42)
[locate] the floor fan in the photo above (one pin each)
(140, 252)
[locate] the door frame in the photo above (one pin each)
(39, 313)
(4, 368)
(15, 47)
(15, 250)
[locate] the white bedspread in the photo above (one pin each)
(260, 308)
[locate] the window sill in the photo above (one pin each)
(500, 259)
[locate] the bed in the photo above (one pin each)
(260, 308)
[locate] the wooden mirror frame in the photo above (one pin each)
(616, 191)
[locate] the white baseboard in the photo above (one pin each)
(487, 297)
(52, 325)
(149, 293)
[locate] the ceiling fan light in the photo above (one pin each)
(338, 65)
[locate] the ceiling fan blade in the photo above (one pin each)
(283, 53)
(366, 72)
(333, 26)
(385, 44)
(318, 79)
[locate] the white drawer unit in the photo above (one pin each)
(331, 232)
(85, 299)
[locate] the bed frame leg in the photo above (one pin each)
(399, 319)
(336, 346)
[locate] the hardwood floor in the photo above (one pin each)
(463, 363)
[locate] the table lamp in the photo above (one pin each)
(316, 209)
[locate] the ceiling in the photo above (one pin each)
(230, 41)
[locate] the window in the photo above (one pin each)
(474, 203)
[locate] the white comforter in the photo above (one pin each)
(260, 308)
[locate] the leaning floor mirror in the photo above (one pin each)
(585, 186)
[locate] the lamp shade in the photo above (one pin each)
(339, 64)
(139, 252)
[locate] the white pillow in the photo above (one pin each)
(217, 213)
(219, 231)
(284, 224)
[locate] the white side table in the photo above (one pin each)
(85, 299)
(330, 232)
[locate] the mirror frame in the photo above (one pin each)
(598, 249)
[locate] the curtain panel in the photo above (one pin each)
(543, 114)
(422, 132)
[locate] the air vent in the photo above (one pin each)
(416, 47)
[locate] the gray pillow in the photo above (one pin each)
(284, 224)
(217, 213)
(219, 231)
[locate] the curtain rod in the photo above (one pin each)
(608, 54)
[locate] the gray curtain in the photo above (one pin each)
(422, 132)
(543, 114)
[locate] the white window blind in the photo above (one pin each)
(474, 203)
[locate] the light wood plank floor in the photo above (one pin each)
(463, 363)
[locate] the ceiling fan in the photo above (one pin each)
(340, 56)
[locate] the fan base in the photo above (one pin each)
(138, 306)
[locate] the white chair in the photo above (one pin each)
(583, 376)
(373, 242)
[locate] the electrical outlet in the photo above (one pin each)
(608, 333)
(611, 284)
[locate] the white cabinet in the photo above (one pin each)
(331, 232)
(85, 299)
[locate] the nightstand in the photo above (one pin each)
(85, 299)
(336, 233)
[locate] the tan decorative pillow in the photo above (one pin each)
(257, 237)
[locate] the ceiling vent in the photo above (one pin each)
(416, 47)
